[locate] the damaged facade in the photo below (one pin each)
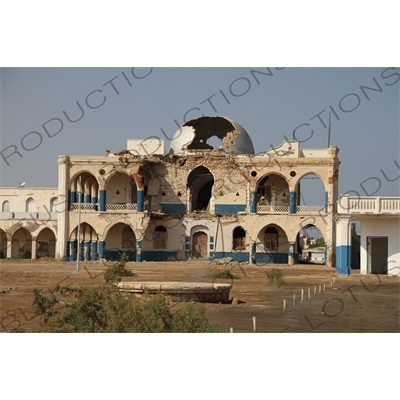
(209, 197)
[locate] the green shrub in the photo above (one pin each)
(114, 273)
(275, 276)
(105, 309)
(191, 319)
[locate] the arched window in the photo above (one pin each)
(239, 238)
(30, 205)
(160, 238)
(6, 206)
(53, 204)
(271, 239)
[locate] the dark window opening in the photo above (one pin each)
(160, 238)
(239, 239)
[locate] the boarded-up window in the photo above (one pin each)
(271, 239)
(239, 239)
(160, 238)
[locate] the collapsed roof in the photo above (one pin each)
(208, 133)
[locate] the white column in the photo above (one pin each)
(9, 248)
(62, 211)
(34, 249)
(343, 245)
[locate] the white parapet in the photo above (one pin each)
(369, 205)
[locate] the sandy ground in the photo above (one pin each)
(340, 304)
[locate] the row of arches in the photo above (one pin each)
(271, 245)
(271, 240)
(273, 191)
(121, 237)
(23, 245)
(29, 205)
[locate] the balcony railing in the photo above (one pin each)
(83, 206)
(262, 209)
(369, 205)
(121, 207)
(310, 209)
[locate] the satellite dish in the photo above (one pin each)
(22, 184)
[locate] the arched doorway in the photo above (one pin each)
(272, 245)
(239, 239)
(311, 195)
(310, 245)
(122, 193)
(272, 195)
(21, 244)
(46, 243)
(88, 243)
(200, 183)
(200, 245)
(120, 239)
(84, 189)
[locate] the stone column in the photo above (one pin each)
(102, 200)
(292, 202)
(253, 202)
(101, 246)
(252, 254)
(94, 251)
(138, 250)
(140, 200)
(94, 197)
(9, 248)
(87, 197)
(291, 253)
(62, 214)
(343, 245)
(86, 246)
(34, 249)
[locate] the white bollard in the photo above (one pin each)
(294, 300)
(315, 290)
(324, 287)
(231, 330)
(254, 324)
(284, 304)
(302, 295)
(309, 293)
(319, 289)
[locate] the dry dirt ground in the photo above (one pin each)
(336, 304)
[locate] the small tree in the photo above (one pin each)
(106, 309)
(114, 273)
(275, 276)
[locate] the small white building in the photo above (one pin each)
(379, 219)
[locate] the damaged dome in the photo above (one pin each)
(207, 133)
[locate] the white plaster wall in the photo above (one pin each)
(389, 227)
(17, 198)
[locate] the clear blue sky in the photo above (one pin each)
(367, 132)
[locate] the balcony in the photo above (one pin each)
(263, 209)
(121, 207)
(84, 206)
(369, 205)
(310, 209)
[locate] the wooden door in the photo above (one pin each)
(200, 245)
